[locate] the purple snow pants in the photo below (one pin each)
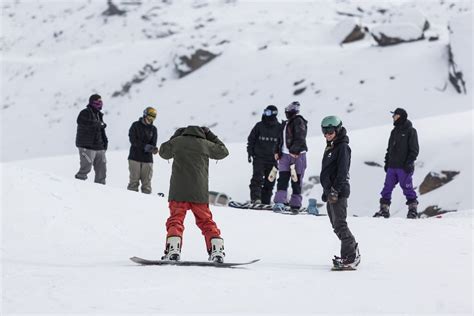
(394, 176)
(284, 178)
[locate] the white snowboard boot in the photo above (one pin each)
(217, 250)
(173, 249)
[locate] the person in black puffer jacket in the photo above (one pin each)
(143, 136)
(91, 140)
(261, 145)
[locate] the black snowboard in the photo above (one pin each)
(266, 207)
(190, 263)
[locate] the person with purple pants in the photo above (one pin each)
(399, 166)
(290, 153)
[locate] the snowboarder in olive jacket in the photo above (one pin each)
(191, 148)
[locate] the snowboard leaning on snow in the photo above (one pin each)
(266, 207)
(190, 263)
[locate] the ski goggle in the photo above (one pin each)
(328, 129)
(268, 112)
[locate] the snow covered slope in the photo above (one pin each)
(66, 245)
(55, 54)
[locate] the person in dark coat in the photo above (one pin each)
(143, 136)
(261, 145)
(290, 153)
(402, 152)
(191, 148)
(336, 189)
(91, 140)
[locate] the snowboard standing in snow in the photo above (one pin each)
(190, 263)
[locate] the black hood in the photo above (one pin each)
(402, 124)
(341, 137)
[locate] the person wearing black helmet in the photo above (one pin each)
(261, 145)
(402, 152)
(143, 136)
(336, 189)
(291, 155)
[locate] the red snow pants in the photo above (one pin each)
(203, 215)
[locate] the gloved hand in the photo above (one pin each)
(333, 196)
(324, 197)
(155, 150)
(249, 158)
(149, 148)
(409, 167)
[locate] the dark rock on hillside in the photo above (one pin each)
(373, 164)
(113, 10)
(434, 180)
(185, 64)
(433, 210)
(146, 71)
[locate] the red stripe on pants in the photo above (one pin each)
(203, 215)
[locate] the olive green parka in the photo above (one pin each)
(191, 148)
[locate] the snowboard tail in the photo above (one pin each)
(190, 263)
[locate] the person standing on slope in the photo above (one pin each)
(92, 141)
(191, 148)
(290, 153)
(402, 152)
(143, 136)
(261, 145)
(336, 188)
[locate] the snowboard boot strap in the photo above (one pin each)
(173, 249)
(412, 210)
(384, 211)
(216, 253)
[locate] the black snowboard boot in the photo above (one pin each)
(384, 211)
(412, 210)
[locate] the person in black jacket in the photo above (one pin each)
(402, 152)
(92, 141)
(143, 136)
(291, 155)
(260, 148)
(336, 189)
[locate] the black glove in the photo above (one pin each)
(149, 148)
(409, 167)
(250, 158)
(324, 197)
(385, 168)
(333, 196)
(103, 125)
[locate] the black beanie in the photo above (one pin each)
(94, 97)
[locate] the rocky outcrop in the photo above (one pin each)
(405, 25)
(434, 211)
(460, 52)
(434, 180)
(348, 30)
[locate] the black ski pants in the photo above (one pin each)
(260, 187)
(337, 213)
